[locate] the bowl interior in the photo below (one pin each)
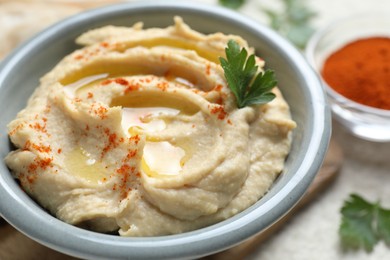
(19, 76)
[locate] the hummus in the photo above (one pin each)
(137, 133)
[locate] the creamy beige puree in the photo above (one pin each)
(138, 132)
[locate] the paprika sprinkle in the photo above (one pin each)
(360, 71)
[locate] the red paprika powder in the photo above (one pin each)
(360, 71)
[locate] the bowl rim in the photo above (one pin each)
(220, 236)
(312, 44)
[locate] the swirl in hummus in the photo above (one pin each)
(138, 133)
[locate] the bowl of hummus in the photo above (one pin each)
(156, 130)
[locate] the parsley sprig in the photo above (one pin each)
(363, 224)
(293, 21)
(234, 4)
(248, 86)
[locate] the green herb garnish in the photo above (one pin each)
(293, 21)
(248, 86)
(363, 224)
(233, 4)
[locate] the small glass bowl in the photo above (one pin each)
(366, 122)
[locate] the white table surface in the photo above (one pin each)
(313, 232)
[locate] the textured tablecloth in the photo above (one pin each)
(312, 233)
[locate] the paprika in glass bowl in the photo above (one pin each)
(352, 57)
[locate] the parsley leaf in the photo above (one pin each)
(234, 4)
(363, 223)
(293, 21)
(248, 86)
(383, 225)
(357, 223)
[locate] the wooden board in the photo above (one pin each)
(14, 245)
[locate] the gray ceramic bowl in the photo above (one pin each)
(20, 73)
